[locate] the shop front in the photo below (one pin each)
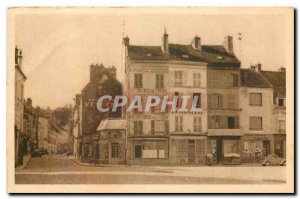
(280, 145)
(256, 148)
(150, 151)
(225, 149)
(187, 149)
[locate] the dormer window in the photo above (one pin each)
(220, 57)
(149, 55)
(280, 102)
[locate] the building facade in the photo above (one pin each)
(182, 136)
(256, 96)
(20, 137)
(102, 82)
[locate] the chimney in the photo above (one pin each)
(29, 102)
(20, 57)
(253, 67)
(197, 43)
(281, 69)
(258, 67)
(165, 43)
(16, 55)
(228, 44)
(126, 41)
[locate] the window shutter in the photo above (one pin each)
(185, 78)
(157, 81)
(152, 127)
(162, 80)
(141, 128)
(135, 127)
(221, 99)
(167, 126)
(172, 78)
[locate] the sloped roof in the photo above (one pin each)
(214, 55)
(278, 81)
(111, 124)
(251, 78)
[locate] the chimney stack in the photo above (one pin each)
(20, 58)
(281, 69)
(197, 43)
(228, 44)
(165, 43)
(29, 102)
(126, 41)
(258, 67)
(16, 56)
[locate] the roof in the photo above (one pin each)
(112, 124)
(214, 55)
(251, 78)
(278, 81)
(19, 69)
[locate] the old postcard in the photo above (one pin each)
(150, 100)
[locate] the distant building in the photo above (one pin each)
(20, 138)
(43, 126)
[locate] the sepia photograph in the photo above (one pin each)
(150, 100)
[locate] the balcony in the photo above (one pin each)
(224, 132)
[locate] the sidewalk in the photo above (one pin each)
(26, 159)
(92, 164)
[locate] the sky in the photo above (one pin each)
(58, 49)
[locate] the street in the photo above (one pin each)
(58, 169)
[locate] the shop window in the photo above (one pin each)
(138, 151)
(255, 99)
(256, 123)
(138, 80)
(231, 147)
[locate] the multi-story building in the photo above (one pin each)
(30, 122)
(175, 70)
(256, 96)
(103, 81)
(19, 107)
(77, 145)
(43, 126)
(278, 81)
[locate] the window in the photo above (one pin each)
(235, 80)
(138, 127)
(178, 123)
(197, 124)
(114, 150)
(99, 90)
(138, 80)
(216, 101)
(230, 146)
(281, 126)
(158, 126)
(255, 99)
(159, 81)
(176, 94)
(255, 123)
(281, 102)
(138, 151)
(197, 80)
(198, 102)
(231, 101)
(178, 78)
(231, 122)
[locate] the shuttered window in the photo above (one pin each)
(197, 124)
(138, 80)
(178, 123)
(197, 80)
(255, 99)
(138, 127)
(178, 78)
(159, 81)
(255, 123)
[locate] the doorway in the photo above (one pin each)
(114, 153)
